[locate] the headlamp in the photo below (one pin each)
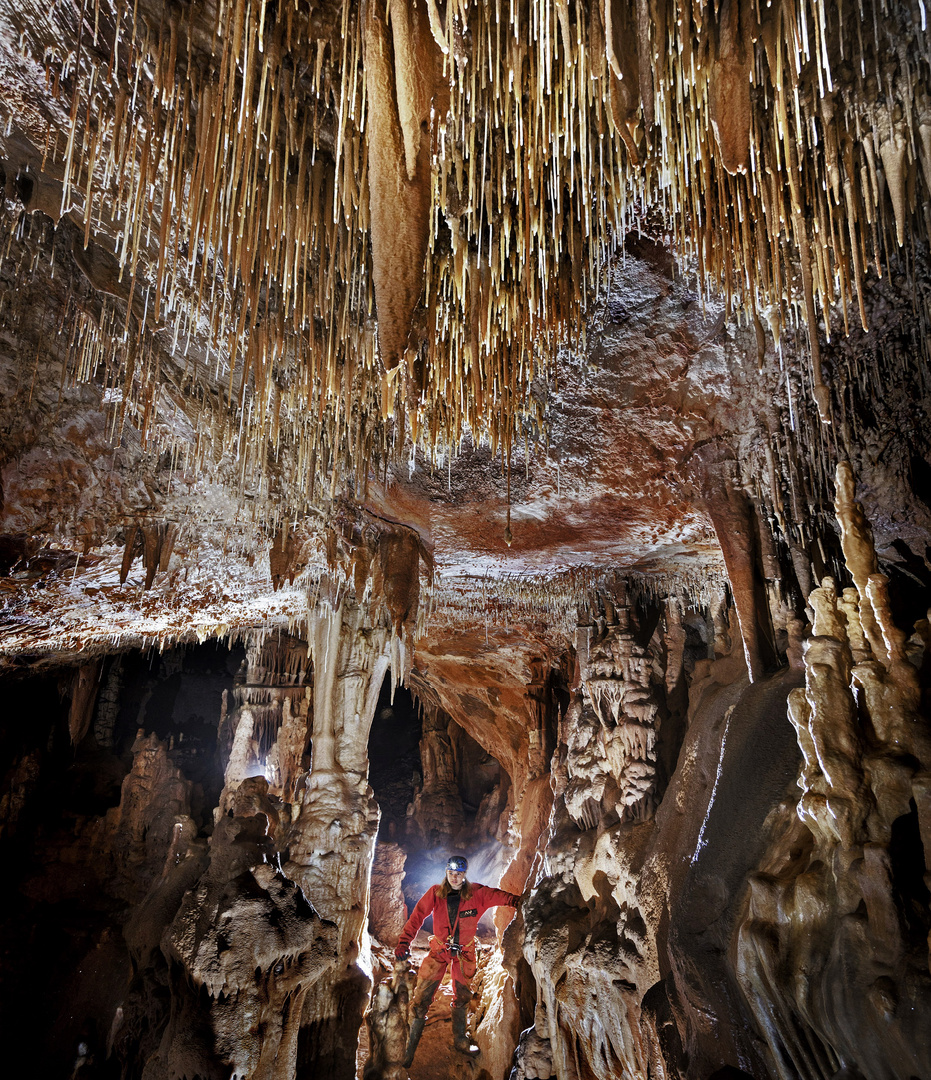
(458, 864)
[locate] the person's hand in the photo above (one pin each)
(402, 953)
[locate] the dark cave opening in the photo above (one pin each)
(482, 781)
(177, 696)
(909, 585)
(699, 639)
(395, 767)
(462, 811)
(647, 612)
(440, 793)
(919, 471)
(672, 721)
(55, 920)
(909, 869)
(63, 959)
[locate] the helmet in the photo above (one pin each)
(457, 863)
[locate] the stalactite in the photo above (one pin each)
(185, 152)
(241, 200)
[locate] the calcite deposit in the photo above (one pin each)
(438, 427)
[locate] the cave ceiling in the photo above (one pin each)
(532, 287)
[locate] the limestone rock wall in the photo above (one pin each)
(843, 891)
(724, 866)
(719, 918)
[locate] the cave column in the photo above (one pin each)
(266, 731)
(738, 528)
(438, 814)
(538, 695)
(332, 841)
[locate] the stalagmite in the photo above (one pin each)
(859, 553)
(220, 938)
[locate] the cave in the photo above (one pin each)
(441, 429)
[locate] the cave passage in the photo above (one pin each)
(71, 881)
(567, 365)
(439, 793)
(394, 757)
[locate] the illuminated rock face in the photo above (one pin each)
(737, 899)
(245, 949)
(611, 758)
(843, 891)
(719, 872)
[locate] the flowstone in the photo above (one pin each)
(842, 893)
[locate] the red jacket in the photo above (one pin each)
(470, 911)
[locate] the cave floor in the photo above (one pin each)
(436, 1059)
(435, 1056)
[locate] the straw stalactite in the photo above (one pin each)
(297, 199)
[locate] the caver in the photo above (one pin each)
(456, 905)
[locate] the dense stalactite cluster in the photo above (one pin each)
(243, 160)
(166, 393)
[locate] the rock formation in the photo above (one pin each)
(436, 426)
(843, 882)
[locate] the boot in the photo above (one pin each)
(413, 1039)
(461, 1040)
